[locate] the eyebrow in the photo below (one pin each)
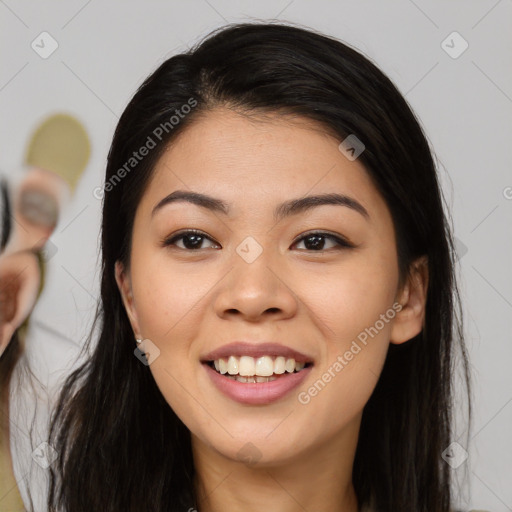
(286, 209)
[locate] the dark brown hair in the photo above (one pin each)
(120, 445)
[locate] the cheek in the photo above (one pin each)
(168, 306)
(347, 375)
(167, 295)
(352, 306)
(347, 300)
(339, 305)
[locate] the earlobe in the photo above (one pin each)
(125, 289)
(409, 321)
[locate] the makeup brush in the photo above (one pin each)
(60, 145)
(56, 156)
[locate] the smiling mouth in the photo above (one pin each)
(249, 369)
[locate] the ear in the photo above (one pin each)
(409, 320)
(20, 279)
(125, 289)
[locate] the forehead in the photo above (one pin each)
(257, 161)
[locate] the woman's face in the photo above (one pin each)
(259, 278)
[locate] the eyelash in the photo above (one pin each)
(340, 241)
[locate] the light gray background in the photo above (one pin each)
(106, 49)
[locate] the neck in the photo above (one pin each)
(318, 478)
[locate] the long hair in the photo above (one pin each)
(120, 445)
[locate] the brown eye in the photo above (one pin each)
(192, 240)
(315, 241)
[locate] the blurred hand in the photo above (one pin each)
(19, 284)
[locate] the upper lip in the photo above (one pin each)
(244, 348)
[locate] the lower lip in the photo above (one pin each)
(259, 393)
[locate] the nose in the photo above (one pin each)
(256, 291)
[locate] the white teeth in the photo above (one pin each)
(290, 365)
(251, 380)
(250, 369)
(279, 365)
(264, 366)
(223, 366)
(232, 365)
(246, 366)
(299, 366)
(239, 378)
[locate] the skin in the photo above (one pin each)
(27, 233)
(19, 284)
(20, 273)
(191, 301)
(19, 268)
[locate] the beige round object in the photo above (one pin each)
(61, 145)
